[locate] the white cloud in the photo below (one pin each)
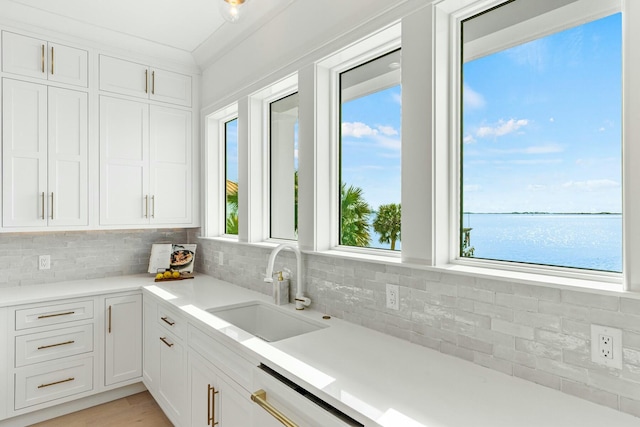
(543, 149)
(471, 188)
(536, 187)
(469, 139)
(390, 143)
(471, 98)
(592, 184)
(397, 98)
(551, 119)
(357, 130)
(387, 130)
(501, 128)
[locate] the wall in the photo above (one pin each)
(538, 333)
(79, 254)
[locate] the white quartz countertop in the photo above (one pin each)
(378, 379)
(384, 381)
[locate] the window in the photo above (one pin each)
(369, 154)
(283, 138)
(231, 176)
(541, 130)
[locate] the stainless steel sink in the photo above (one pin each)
(266, 321)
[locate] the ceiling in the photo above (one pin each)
(182, 25)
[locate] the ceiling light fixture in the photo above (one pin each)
(232, 10)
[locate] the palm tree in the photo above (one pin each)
(354, 212)
(232, 208)
(387, 223)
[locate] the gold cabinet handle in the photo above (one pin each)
(146, 81)
(169, 322)
(109, 319)
(42, 347)
(153, 83)
(46, 316)
(153, 206)
(52, 60)
(146, 206)
(260, 397)
(42, 58)
(57, 382)
(211, 407)
(52, 202)
(164, 340)
(42, 197)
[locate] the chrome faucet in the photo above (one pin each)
(301, 300)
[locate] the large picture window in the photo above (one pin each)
(370, 112)
(541, 139)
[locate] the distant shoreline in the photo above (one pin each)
(542, 213)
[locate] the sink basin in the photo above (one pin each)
(266, 321)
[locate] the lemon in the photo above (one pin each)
(159, 276)
(167, 274)
(176, 274)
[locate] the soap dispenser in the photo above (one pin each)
(281, 289)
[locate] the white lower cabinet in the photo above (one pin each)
(215, 399)
(123, 338)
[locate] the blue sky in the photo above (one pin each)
(232, 150)
(371, 146)
(542, 124)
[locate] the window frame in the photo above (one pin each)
(450, 21)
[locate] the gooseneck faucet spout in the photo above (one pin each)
(301, 300)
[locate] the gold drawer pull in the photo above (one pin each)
(211, 407)
(260, 397)
(169, 322)
(164, 340)
(42, 347)
(46, 316)
(57, 382)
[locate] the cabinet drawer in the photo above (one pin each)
(53, 314)
(225, 359)
(171, 321)
(52, 381)
(50, 345)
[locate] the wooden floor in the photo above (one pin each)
(138, 410)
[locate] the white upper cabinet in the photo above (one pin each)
(31, 57)
(145, 163)
(44, 155)
(133, 79)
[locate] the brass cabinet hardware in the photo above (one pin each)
(153, 206)
(211, 407)
(109, 319)
(169, 322)
(42, 58)
(52, 60)
(42, 196)
(260, 397)
(57, 382)
(153, 83)
(164, 340)
(146, 81)
(52, 205)
(42, 347)
(146, 206)
(66, 313)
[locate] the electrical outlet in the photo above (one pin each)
(44, 262)
(606, 346)
(220, 258)
(393, 297)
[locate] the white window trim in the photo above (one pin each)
(448, 15)
(326, 90)
(214, 214)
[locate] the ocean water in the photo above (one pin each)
(580, 241)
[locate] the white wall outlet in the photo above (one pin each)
(606, 346)
(220, 258)
(393, 297)
(44, 262)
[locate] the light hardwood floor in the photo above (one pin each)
(138, 410)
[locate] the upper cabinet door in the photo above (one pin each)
(24, 55)
(125, 77)
(37, 58)
(167, 86)
(24, 154)
(67, 64)
(67, 166)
